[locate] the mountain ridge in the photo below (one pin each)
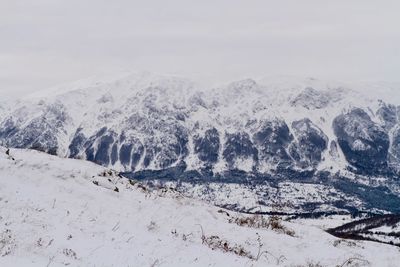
(150, 126)
(83, 103)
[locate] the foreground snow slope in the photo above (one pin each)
(52, 213)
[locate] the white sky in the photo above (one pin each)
(48, 42)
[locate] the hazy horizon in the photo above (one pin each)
(46, 43)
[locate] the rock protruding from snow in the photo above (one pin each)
(364, 143)
(312, 142)
(311, 98)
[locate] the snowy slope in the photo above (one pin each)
(317, 136)
(53, 214)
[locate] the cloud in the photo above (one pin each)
(46, 42)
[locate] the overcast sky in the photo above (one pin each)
(48, 42)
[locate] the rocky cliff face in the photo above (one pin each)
(143, 122)
(364, 143)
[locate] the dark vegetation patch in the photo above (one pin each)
(364, 229)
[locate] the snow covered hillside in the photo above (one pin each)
(66, 212)
(296, 139)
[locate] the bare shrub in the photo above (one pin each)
(310, 264)
(44, 242)
(70, 253)
(259, 221)
(152, 226)
(255, 221)
(348, 243)
(185, 237)
(266, 253)
(216, 243)
(354, 262)
(7, 243)
(174, 233)
(276, 224)
(155, 263)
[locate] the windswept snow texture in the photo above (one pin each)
(66, 212)
(170, 128)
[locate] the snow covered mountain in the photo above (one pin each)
(169, 128)
(66, 212)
